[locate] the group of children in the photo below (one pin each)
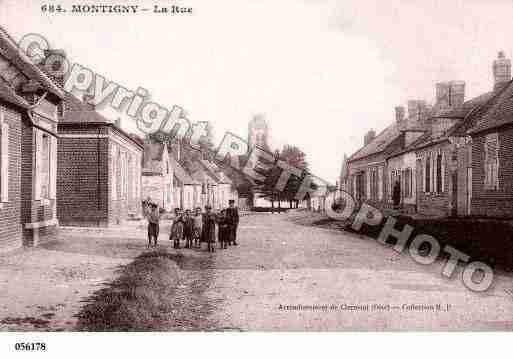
(195, 228)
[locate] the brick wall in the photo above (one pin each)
(494, 203)
(10, 212)
(82, 186)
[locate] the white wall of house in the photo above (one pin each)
(401, 163)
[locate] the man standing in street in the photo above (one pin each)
(232, 213)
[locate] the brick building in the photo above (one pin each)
(450, 159)
(492, 148)
(99, 170)
(28, 149)
(99, 164)
(366, 168)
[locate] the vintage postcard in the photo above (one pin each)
(255, 166)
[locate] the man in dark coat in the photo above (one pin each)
(232, 213)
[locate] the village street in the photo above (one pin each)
(280, 262)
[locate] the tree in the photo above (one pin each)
(294, 156)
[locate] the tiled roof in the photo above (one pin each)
(481, 105)
(78, 111)
(180, 173)
(498, 112)
(212, 169)
(10, 50)
(467, 114)
(152, 157)
(463, 110)
(8, 94)
(379, 143)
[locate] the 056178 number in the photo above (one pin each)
(30, 346)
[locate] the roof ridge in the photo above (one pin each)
(50, 85)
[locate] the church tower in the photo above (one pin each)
(258, 132)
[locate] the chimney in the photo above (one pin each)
(501, 70)
(449, 94)
(55, 65)
(117, 122)
(399, 114)
(369, 136)
(417, 110)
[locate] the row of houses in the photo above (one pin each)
(63, 163)
(174, 181)
(452, 158)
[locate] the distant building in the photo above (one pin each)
(157, 175)
(258, 132)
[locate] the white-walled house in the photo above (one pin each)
(157, 175)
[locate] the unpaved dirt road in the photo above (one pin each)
(280, 262)
(279, 266)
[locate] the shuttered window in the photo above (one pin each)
(4, 159)
(439, 173)
(407, 175)
(380, 183)
(45, 168)
(491, 165)
(114, 174)
(427, 174)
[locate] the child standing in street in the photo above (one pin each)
(198, 222)
(188, 228)
(209, 228)
(153, 224)
(224, 228)
(177, 229)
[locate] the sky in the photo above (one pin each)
(323, 72)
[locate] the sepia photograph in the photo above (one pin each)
(226, 167)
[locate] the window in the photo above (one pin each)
(380, 183)
(439, 173)
(45, 167)
(374, 184)
(491, 165)
(45, 156)
(121, 174)
(114, 174)
(427, 174)
(4, 159)
(408, 181)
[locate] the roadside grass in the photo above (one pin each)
(486, 240)
(138, 300)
